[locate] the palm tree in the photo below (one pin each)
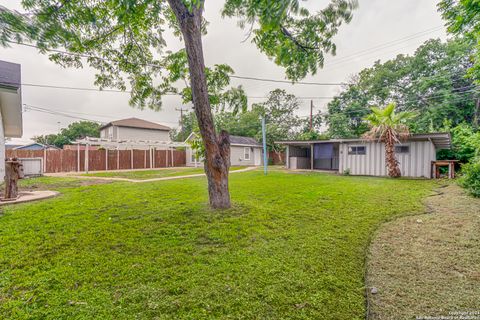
(390, 128)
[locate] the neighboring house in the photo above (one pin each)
(366, 157)
(35, 146)
(134, 129)
(12, 146)
(10, 107)
(244, 151)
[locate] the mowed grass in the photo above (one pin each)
(292, 247)
(152, 174)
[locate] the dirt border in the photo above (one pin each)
(422, 263)
(70, 175)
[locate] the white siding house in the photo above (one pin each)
(135, 129)
(10, 107)
(244, 151)
(362, 157)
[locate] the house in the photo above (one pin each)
(366, 157)
(134, 129)
(35, 146)
(244, 151)
(11, 125)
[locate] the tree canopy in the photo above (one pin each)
(282, 122)
(74, 131)
(432, 82)
(463, 20)
(125, 41)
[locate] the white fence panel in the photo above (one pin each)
(32, 166)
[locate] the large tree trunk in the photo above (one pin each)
(391, 160)
(217, 148)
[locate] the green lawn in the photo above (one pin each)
(152, 174)
(292, 247)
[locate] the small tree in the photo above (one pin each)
(74, 131)
(390, 128)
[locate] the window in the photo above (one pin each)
(110, 132)
(194, 159)
(357, 150)
(402, 149)
(246, 153)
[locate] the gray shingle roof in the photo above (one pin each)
(137, 123)
(244, 141)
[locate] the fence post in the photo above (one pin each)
(166, 158)
(131, 157)
(118, 158)
(150, 154)
(86, 158)
(154, 155)
(78, 157)
(45, 160)
(173, 164)
(106, 159)
(145, 159)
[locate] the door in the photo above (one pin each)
(257, 156)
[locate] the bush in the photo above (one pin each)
(471, 177)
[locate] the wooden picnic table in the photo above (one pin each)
(443, 163)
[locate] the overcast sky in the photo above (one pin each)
(380, 30)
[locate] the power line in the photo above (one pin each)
(340, 60)
(73, 114)
(127, 91)
(392, 43)
(289, 82)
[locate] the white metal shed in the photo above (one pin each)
(366, 157)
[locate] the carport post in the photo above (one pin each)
(287, 155)
(311, 156)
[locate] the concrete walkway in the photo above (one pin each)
(28, 196)
(75, 175)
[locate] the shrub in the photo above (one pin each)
(471, 177)
(346, 172)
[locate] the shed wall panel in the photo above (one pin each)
(415, 163)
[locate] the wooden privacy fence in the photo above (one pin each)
(102, 160)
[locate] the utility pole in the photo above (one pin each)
(181, 121)
(181, 115)
(264, 136)
(311, 115)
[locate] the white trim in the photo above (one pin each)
(245, 145)
(249, 153)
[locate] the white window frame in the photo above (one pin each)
(356, 150)
(245, 153)
(404, 146)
